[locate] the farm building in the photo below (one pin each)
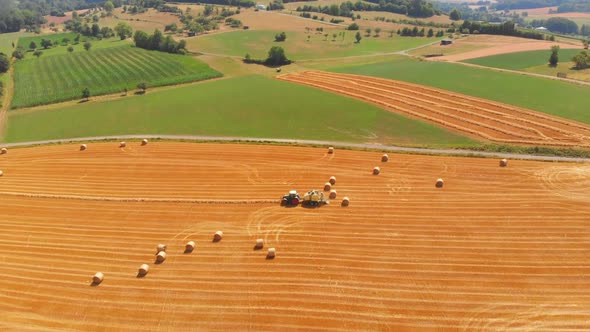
(446, 41)
(261, 7)
(542, 29)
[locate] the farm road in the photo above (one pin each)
(308, 142)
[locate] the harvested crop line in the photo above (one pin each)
(469, 115)
(140, 199)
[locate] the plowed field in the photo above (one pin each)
(472, 116)
(495, 249)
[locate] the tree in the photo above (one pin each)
(586, 44)
(33, 45)
(554, 57)
(279, 37)
(358, 37)
(368, 31)
(276, 57)
(4, 63)
(70, 49)
(65, 40)
(377, 32)
(86, 94)
(18, 54)
(37, 53)
(455, 15)
(87, 46)
(353, 26)
(430, 32)
(142, 86)
(582, 60)
(123, 30)
(108, 6)
(391, 33)
(156, 40)
(46, 43)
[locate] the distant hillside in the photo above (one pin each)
(563, 5)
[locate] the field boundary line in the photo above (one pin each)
(301, 142)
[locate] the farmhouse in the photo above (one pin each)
(446, 41)
(261, 7)
(542, 29)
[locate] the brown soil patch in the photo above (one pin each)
(486, 45)
(492, 250)
(471, 116)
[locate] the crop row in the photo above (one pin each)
(63, 77)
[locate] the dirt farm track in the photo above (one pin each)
(497, 248)
(476, 117)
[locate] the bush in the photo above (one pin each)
(353, 26)
(280, 37)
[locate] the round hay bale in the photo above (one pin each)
(385, 158)
(161, 257)
(331, 150)
(144, 141)
(3, 151)
(439, 183)
(190, 246)
(122, 144)
(503, 163)
(271, 253)
(376, 170)
(83, 147)
(332, 180)
(327, 186)
(1, 173)
(143, 270)
(259, 243)
(332, 194)
(345, 201)
(161, 247)
(97, 278)
(217, 236)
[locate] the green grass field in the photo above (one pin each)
(26, 41)
(553, 97)
(522, 60)
(6, 40)
(257, 44)
(60, 77)
(248, 106)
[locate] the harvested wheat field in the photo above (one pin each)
(477, 46)
(468, 115)
(498, 248)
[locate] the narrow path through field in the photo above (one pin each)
(254, 140)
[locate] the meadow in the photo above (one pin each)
(297, 46)
(6, 40)
(59, 77)
(549, 96)
(247, 106)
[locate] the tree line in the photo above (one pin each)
(158, 42)
(414, 8)
(236, 3)
(558, 25)
(506, 29)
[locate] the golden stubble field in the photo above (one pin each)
(497, 248)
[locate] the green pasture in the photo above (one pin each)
(6, 40)
(523, 60)
(60, 77)
(247, 106)
(549, 96)
(297, 47)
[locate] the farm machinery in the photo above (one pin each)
(291, 199)
(311, 198)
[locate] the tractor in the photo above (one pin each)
(314, 198)
(291, 199)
